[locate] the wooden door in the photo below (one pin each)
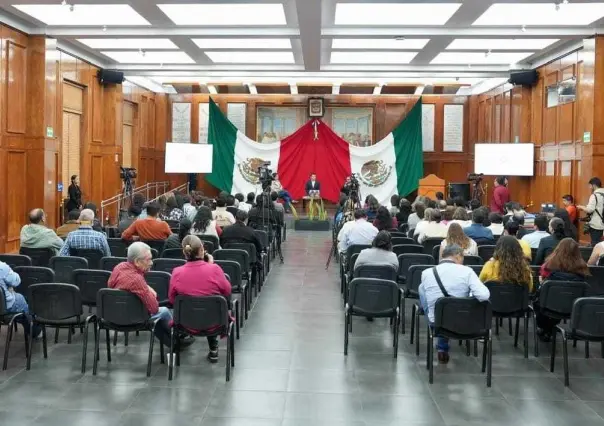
(70, 148)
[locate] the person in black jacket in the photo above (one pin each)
(548, 244)
(175, 240)
(230, 205)
(240, 233)
(75, 195)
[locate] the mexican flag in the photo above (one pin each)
(392, 165)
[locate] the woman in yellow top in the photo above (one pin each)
(511, 229)
(508, 264)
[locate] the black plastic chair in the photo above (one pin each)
(586, 324)
(265, 243)
(472, 260)
(348, 276)
(122, 311)
(403, 241)
(93, 256)
(586, 252)
(33, 275)
(430, 243)
(167, 265)
(39, 256)
(407, 249)
(462, 318)
(252, 258)
(208, 315)
(157, 245)
(14, 260)
(173, 253)
(8, 319)
(109, 263)
(118, 247)
(376, 298)
(160, 282)
(89, 282)
(486, 252)
(533, 255)
(510, 300)
(212, 239)
(404, 228)
(59, 306)
(233, 270)
(405, 261)
(345, 262)
(382, 272)
(395, 233)
(596, 281)
(411, 291)
(556, 299)
(436, 254)
(64, 267)
(173, 223)
(241, 257)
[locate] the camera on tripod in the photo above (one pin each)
(475, 177)
(265, 175)
(127, 173)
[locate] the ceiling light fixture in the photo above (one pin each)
(564, 1)
(487, 53)
(557, 6)
(71, 7)
(64, 3)
(523, 28)
(399, 38)
(105, 28)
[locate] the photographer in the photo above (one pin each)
(594, 225)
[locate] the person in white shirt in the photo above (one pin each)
(461, 217)
(496, 225)
(455, 235)
(541, 226)
(281, 192)
(248, 204)
(203, 223)
(188, 209)
(457, 279)
(358, 231)
(418, 215)
(431, 228)
(221, 215)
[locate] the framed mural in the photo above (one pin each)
(355, 125)
(276, 123)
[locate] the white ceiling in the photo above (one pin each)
(293, 41)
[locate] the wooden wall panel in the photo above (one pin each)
(16, 169)
(16, 88)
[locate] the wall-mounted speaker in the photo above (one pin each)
(110, 77)
(524, 78)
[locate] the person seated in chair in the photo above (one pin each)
(496, 225)
(71, 225)
(174, 241)
(15, 302)
(199, 277)
(540, 232)
(96, 224)
(477, 231)
(281, 192)
(512, 229)
(36, 235)
(278, 206)
(221, 215)
(509, 264)
(148, 229)
(455, 235)
(458, 281)
(263, 214)
(230, 205)
(380, 252)
(359, 231)
(240, 233)
(432, 227)
(384, 220)
(548, 244)
(312, 184)
(133, 213)
(85, 237)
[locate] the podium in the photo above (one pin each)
(430, 185)
(314, 208)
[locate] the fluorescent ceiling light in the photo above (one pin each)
(225, 14)
(398, 14)
(372, 57)
(243, 43)
(128, 43)
(379, 43)
(252, 57)
(136, 57)
(500, 44)
(84, 14)
(479, 58)
(517, 14)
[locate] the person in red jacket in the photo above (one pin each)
(501, 195)
(199, 277)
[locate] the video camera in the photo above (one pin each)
(353, 183)
(475, 177)
(265, 175)
(127, 173)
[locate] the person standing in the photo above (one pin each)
(501, 195)
(595, 210)
(569, 204)
(75, 195)
(313, 184)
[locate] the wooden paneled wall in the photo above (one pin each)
(32, 73)
(389, 110)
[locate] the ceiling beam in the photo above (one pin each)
(484, 32)
(309, 20)
(263, 32)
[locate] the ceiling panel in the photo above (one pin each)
(551, 14)
(225, 14)
(83, 14)
(128, 43)
(137, 57)
(379, 43)
(243, 43)
(394, 13)
(242, 57)
(480, 58)
(372, 57)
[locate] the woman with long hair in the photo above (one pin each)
(404, 211)
(455, 235)
(383, 220)
(461, 217)
(447, 215)
(564, 264)
(371, 206)
(203, 224)
(175, 240)
(548, 244)
(570, 231)
(431, 227)
(172, 211)
(508, 264)
(75, 195)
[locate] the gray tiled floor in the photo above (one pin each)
(291, 371)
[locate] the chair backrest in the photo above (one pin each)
(476, 268)
(556, 298)
(90, 281)
(167, 265)
(354, 249)
(601, 261)
(156, 244)
(414, 278)
(2, 303)
(508, 298)
(587, 316)
(38, 256)
(108, 263)
(586, 252)
(430, 243)
(436, 254)
(160, 282)
(173, 253)
(395, 233)
(211, 238)
(155, 253)
(14, 260)
(263, 237)
(533, 254)
(407, 249)
(120, 308)
(536, 271)
(405, 261)
(596, 281)
(373, 295)
(93, 256)
(239, 256)
(404, 228)
(233, 270)
(353, 261)
(402, 241)
(208, 246)
(201, 313)
(248, 247)
(463, 316)
(486, 252)
(64, 267)
(118, 247)
(382, 272)
(173, 223)
(472, 260)
(31, 275)
(53, 301)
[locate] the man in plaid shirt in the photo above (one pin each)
(85, 237)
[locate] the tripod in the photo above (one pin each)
(266, 221)
(347, 217)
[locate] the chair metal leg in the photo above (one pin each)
(126, 338)
(403, 313)
(85, 344)
(107, 343)
(9, 332)
(44, 343)
(228, 359)
(430, 356)
(346, 319)
(510, 325)
(565, 358)
(526, 326)
(412, 334)
(97, 340)
(552, 360)
(489, 359)
(516, 332)
(162, 357)
(484, 356)
(232, 351)
(535, 338)
(586, 349)
(574, 343)
(114, 337)
(475, 348)
(31, 342)
(68, 335)
(467, 348)
(237, 318)
(416, 320)
(171, 357)
(397, 321)
(602, 349)
(56, 335)
(150, 357)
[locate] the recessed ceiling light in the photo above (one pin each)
(84, 15)
(128, 43)
(252, 57)
(479, 57)
(511, 14)
(500, 44)
(225, 14)
(372, 57)
(243, 43)
(394, 13)
(379, 43)
(143, 57)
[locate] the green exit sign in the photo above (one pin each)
(586, 137)
(50, 132)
